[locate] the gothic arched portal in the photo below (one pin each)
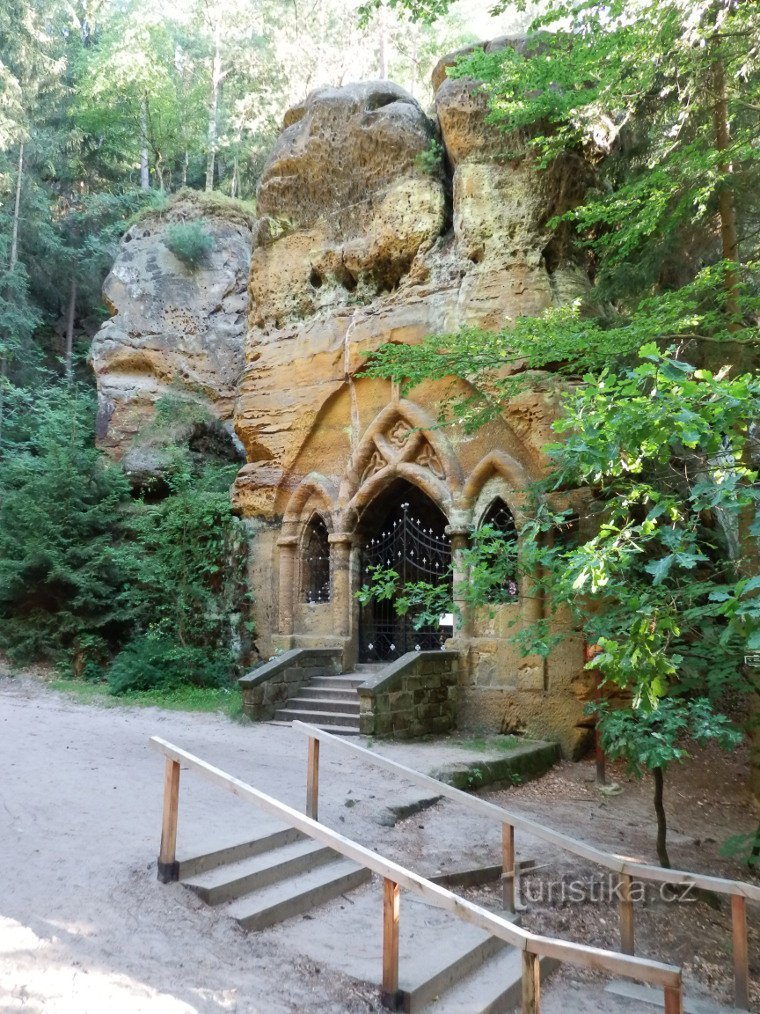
(402, 531)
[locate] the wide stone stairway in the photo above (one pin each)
(329, 702)
(444, 965)
(270, 878)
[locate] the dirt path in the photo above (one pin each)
(85, 928)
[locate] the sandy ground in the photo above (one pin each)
(86, 928)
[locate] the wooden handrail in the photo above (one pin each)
(616, 863)
(653, 973)
(626, 868)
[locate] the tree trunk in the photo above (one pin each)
(383, 32)
(144, 162)
(662, 826)
(726, 203)
(12, 262)
(70, 316)
(213, 110)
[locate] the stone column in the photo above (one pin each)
(287, 545)
(340, 577)
(459, 542)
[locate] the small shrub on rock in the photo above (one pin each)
(191, 242)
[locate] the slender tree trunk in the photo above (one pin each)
(662, 826)
(726, 204)
(70, 316)
(12, 262)
(383, 30)
(17, 209)
(213, 109)
(144, 162)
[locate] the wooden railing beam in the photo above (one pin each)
(312, 780)
(644, 970)
(390, 992)
(741, 952)
(626, 916)
(168, 867)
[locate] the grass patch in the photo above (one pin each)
(228, 700)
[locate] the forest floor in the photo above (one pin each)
(85, 927)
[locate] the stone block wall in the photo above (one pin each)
(267, 688)
(414, 696)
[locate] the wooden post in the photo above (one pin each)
(168, 867)
(531, 983)
(390, 995)
(508, 867)
(312, 780)
(741, 955)
(626, 915)
(673, 996)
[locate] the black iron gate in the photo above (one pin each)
(418, 550)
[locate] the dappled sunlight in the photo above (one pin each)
(37, 974)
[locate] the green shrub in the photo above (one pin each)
(156, 661)
(191, 242)
(61, 511)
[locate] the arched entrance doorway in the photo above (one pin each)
(404, 530)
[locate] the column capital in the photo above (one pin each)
(288, 540)
(340, 538)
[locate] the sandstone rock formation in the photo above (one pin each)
(362, 239)
(174, 329)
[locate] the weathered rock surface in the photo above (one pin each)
(356, 248)
(174, 328)
(344, 208)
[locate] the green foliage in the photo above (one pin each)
(650, 739)
(85, 570)
(430, 160)
(156, 661)
(190, 241)
(60, 511)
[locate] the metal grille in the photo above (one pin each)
(418, 550)
(316, 563)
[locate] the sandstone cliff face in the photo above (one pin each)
(359, 244)
(174, 328)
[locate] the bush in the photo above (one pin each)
(61, 511)
(189, 241)
(156, 661)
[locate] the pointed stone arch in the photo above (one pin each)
(497, 463)
(403, 441)
(314, 494)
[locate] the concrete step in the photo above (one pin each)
(329, 693)
(434, 971)
(336, 682)
(295, 896)
(494, 988)
(201, 863)
(322, 704)
(233, 881)
(320, 718)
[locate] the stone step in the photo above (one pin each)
(320, 718)
(456, 955)
(194, 865)
(295, 896)
(494, 988)
(337, 682)
(233, 881)
(312, 693)
(322, 704)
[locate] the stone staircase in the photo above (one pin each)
(268, 879)
(329, 702)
